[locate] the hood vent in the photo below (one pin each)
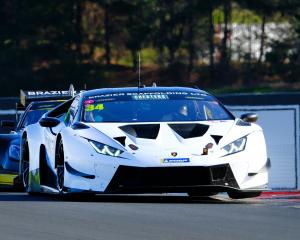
(121, 140)
(148, 131)
(189, 130)
(217, 138)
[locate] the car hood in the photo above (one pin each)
(175, 135)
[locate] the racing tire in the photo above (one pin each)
(60, 167)
(25, 165)
(241, 195)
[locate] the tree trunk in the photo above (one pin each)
(191, 47)
(77, 21)
(160, 57)
(224, 50)
(223, 73)
(262, 39)
(172, 39)
(249, 75)
(211, 33)
(134, 60)
(171, 54)
(107, 35)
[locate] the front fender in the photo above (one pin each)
(34, 136)
(78, 152)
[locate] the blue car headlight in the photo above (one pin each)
(14, 152)
(235, 147)
(105, 149)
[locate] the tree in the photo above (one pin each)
(171, 24)
(265, 9)
(226, 34)
(138, 24)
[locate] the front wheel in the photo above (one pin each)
(60, 167)
(25, 165)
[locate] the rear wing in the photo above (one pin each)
(27, 97)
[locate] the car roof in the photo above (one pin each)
(42, 104)
(141, 90)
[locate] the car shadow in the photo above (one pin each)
(148, 198)
(101, 198)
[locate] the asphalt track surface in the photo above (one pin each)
(147, 217)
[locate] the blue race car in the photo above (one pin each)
(33, 104)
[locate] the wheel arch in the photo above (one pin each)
(23, 138)
(58, 139)
(46, 174)
(24, 135)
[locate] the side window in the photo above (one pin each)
(72, 111)
(208, 112)
(70, 114)
(214, 111)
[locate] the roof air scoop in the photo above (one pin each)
(147, 131)
(189, 130)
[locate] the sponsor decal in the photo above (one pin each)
(150, 97)
(209, 145)
(175, 160)
(43, 93)
(93, 107)
(33, 95)
(88, 102)
(48, 93)
(174, 154)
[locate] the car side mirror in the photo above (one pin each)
(249, 117)
(49, 122)
(7, 124)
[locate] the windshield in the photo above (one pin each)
(36, 112)
(33, 116)
(153, 108)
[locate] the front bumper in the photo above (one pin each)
(171, 179)
(7, 179)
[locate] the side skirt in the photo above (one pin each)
(50, 190)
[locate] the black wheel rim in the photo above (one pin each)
(60, 168)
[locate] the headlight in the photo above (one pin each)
(105, 149)
(235, 147)
(14, 152)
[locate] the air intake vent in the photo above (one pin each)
(217, 138)
(218, 173)
(148, 131)
(121, 140)
(189, 130)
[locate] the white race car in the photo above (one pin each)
(144, 140)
